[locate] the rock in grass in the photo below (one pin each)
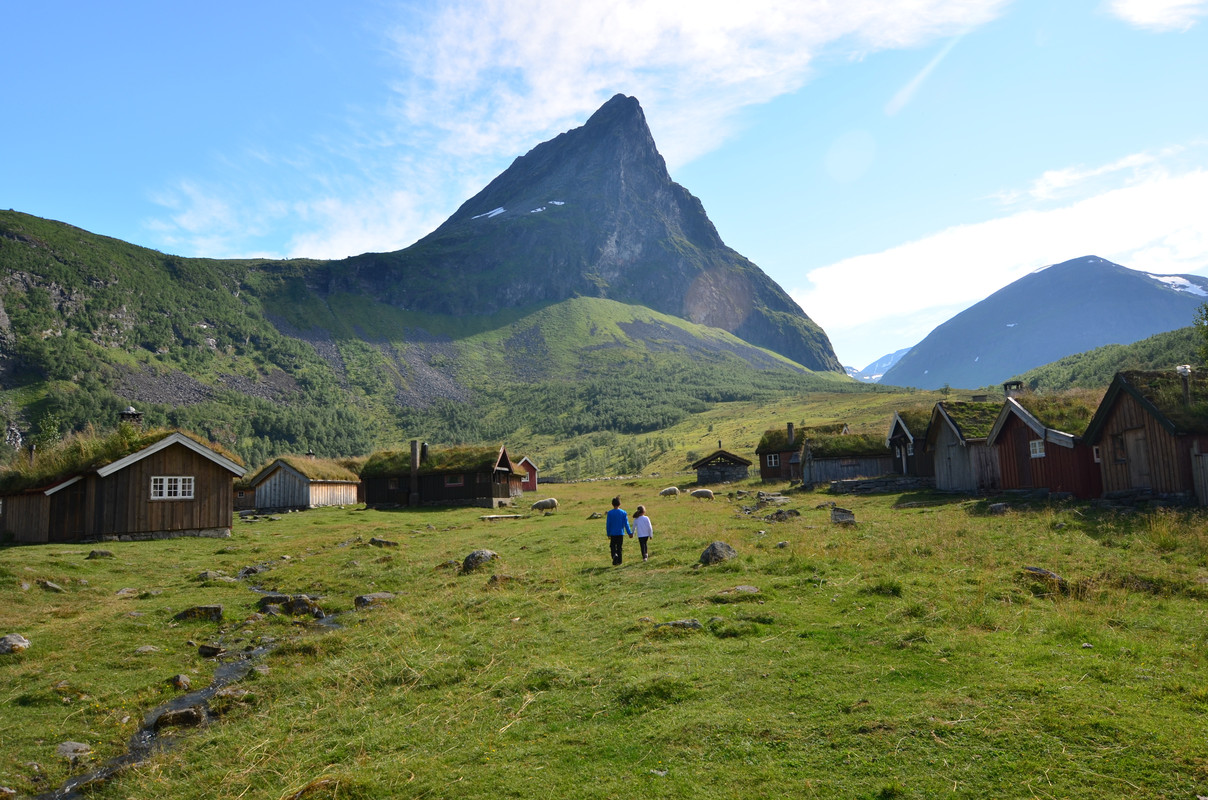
(374, 599)
(842, 516)
(210, 650)
(998, 508)
(739, 590)
(181, 682)
(210, 613)
(73, 751)
(181, 718)
(13, 643)
(100, 554)
(682, 624)
(717, 553)
(51, 586)
(376, 542)
(478, 559)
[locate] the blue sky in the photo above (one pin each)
(887, 162)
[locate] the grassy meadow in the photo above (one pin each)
(905, 656)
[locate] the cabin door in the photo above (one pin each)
(1137, 448)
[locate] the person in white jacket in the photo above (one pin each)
(643, 529)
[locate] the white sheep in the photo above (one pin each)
(548, 504)
(670, 491)
(703, 494)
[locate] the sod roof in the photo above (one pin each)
(1068, 412)
(315, 469)
(850, 445)
(973, 419)
(393, 463)
(85, 452)
(1162, 393)
(916, 419)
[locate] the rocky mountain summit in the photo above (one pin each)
(590, 213)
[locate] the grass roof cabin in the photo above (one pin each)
(1150, 431)
(956, 439)
(129, 484)
(907, 439)
(475, 476)
(1039, 442)
(721, 466)
(830, 457)
(779, 449)
(297, 482)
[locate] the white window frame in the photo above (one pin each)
(172, 487)
(1036, 448)
(1098, 456)
(773, 459)
(455, 480)
(910, 449)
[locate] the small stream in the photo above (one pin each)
(149, 739)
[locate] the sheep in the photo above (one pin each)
(670, 491)
(548, 504)
(703, 494)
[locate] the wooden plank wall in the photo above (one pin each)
(283, 488)
(124, 505)
(1168, 471)
(954, 469)
(324, 493)
(27, 517)
(825, 470)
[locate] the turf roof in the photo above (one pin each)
(1164, 389)
(392, 463)
(85, 452)
(316, 469)
(850, 445)
(916, 419)
(1068, 412)
(973, 418)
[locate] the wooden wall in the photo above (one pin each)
(1062, 469)
(825, 470)
(1137, 452)
(287, 488)
(121, 503)
(964, 468)
(27, 517)
(332, 493)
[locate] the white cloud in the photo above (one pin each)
(1159, 15)
(337, 228)
(489, 75)
(1153, 223)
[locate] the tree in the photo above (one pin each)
(1200, 321)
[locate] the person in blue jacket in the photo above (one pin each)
(616, 525)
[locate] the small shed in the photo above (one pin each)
(908, 439)
(529, 482)
(245, 495)
(1150, 431)
(721, 466)
(297, 482)
(779, 454)
(129, 485)
(474, 476)
(1039, 444)
(956, 439)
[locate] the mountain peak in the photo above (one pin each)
(593, 212)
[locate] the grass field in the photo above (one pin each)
(905, 656)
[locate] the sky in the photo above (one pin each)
(887, 162)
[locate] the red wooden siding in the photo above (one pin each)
(1062, 469)
(1137, 452)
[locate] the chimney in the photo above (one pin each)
(719, 444)
(980, 398)
(32, 448)
(790, 435)
(1012, 388)
(310, 453)
(135, 418)
(1184, 371)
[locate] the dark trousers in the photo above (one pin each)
(614, 546)
(644, 541)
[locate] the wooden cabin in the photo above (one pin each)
(245, 495)
(779, 454)
(1149, 431)
(908, 440)
(1035, 449)
(956, 439)
(157, 485)
(529, 482)
(474, 476)
(297, 482)
(830, 457)
(721, 466)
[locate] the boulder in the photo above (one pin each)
(13, 643)
(374, 599)
(100, 554)
(998, 508)
(181, 718)
(73, 751)
(842, 516)
(376, 542)
(210, 613)
(478, 559)
(210, 650)
(181, 682)
(717, 552)
(683, 624)
(51, 586)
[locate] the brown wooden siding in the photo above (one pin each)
(784, 471)
(1062, 469)
(123, 502)
(27, 517)
(477, 489)
(1137, 452)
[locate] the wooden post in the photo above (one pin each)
(413, 498)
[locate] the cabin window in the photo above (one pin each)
(910, 449)
(773, 459)
(172, 487)
(392, 484)
(239, 493)
(1098, 456)
(1118, 452)
(1036, 448)
(455, 480)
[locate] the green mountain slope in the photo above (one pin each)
(1095, 368)
(249, 354)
